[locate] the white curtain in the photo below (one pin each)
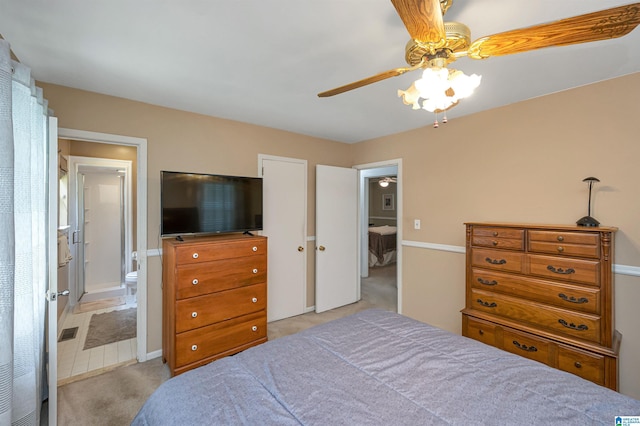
(23, 257)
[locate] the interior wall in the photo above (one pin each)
(378, 216)
(184, 141)
(521, 163)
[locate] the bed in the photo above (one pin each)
(379, 367)
(382, 245)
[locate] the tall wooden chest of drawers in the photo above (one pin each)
(545, 293)
(214, 298)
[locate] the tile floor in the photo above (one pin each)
(75, 363)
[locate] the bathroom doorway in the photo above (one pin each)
(97, 327)
(101, 228)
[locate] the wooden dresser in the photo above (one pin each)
(545, 293)
(214, 298)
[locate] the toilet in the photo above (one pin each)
(131, 282)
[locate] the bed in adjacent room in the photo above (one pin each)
(379, 367)
(382, 245)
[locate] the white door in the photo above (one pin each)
(337, 282)
(52, 255)
(285, 219)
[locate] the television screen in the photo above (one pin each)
(195, 203)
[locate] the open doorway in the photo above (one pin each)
(381, 232)
(110, 180)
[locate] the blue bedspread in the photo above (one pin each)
(380, 368)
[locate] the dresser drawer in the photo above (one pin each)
(197, 253)
(482, 331)
(587, 365)
(194, 345)
(506, 238)
(527, 345)
(571, 270)
(564, 243)
(579, 244)
(574, 324)
(580, 298)
(496, 259)
(204, 310)
(203, 278)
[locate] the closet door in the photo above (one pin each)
(337, 282)
(285, 225)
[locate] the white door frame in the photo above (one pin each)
(75, 163)
(364, 221)
(141, 217)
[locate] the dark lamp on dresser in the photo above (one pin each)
(588, 220)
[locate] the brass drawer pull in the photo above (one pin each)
(495, 243)
(195, 255)
(560, 238)
(487, 304)
(560, 249)
(495, 261)
(525, 347)
(487, 282)
(495, 234)
(254, 328)
(481, 332)
(572, 326)
(572, 299)
(577, 364)
(194, 314)
(195, 281)
(561, 271)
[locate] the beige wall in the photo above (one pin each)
(377, 215)
(521, 163)
(183, 141)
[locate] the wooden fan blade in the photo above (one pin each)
(369, 80)
(423, 19)
(602, 25)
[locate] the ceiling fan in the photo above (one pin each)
(435, 43)
(385, 181)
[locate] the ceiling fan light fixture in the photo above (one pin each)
(439, 89)
(385, 181)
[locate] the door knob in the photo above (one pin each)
(300, 248)
(321, 248)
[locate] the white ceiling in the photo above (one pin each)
(264, 61)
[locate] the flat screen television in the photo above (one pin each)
(198, 204)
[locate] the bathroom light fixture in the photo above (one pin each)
(588, 220)
(439, 89)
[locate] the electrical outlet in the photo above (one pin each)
(416, 224)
